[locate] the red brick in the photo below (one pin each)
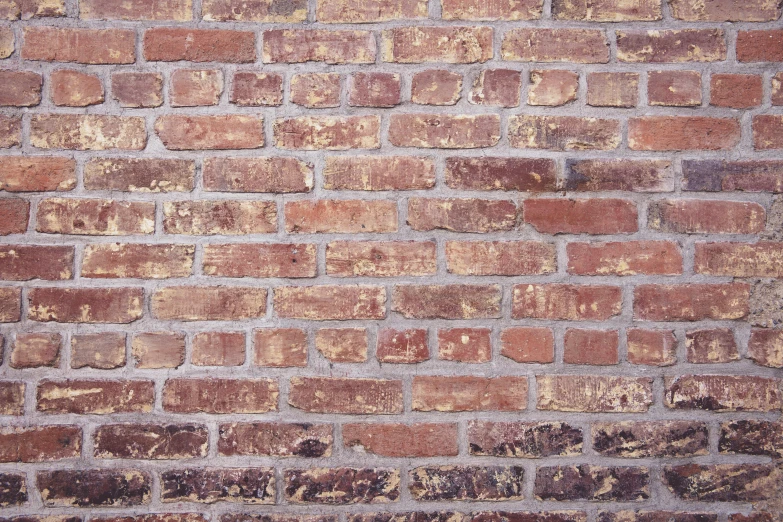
(85, 305)
(461, 215)
(95, 217)
(176, 10)
(140, 174)
(26, 262)
(597, 347)
(563, 133)
(87, 132)
(258, 174)
(716, 345)
(536, 44)
(153, 350)
(444, 44)
(195, 87)
(454, 394)
(210, 132)
(342, 345)
(496, 87)
(20, 88)
(528, 345)
(736, 91)
(606, 10)
(594, 393)
(671, 46)
(581, 216)
(381, 258)
(218, 349)
(10, 304)
(10, 131)
(552, 87)
(674, 88)
(12, 398)
(346, 396)
(760, 46)
(95, 397)
(500, 257)
(75, 89)
(34, 350)
(346, 11)
(725, 11)
(374, 89)
(777, 89)
(765, 347)
(102, 351)
(402, 346)
(477, 10)
(378, 173)
(682, 133)
(499, 173)
(208, 303)
(588, 175)
(337, 303)
(444, 131)
(28, 9)
(436, 87)
(266, 11)
(256, 89)
(220, 395)
(40, 443)
(652, 347)
(699, 216)
(280, 347)
(768, 131)
(315, 90)
(468, 345)
(447, 301)
(88, 46)
(14, 213)
(691, 302)
(566, 302)
(220, 216)
(612, 89)
(151, 441)
(328, 132)
(402, 440)
(136, 90)
(318, 45)
(625, 258)
(275, 439)
(37, 173)
(763, 259)
(172, 44)
(135, 260)
(719, 393)
(341, 216)
(260, 260)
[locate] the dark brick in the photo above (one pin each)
(151, 441)
(656, 516)
(720, 175)
(524, 439)
(275, 439)
(342, 486)
(752, 437)
(650, 439)
(94, 487)
(40, 443)
(724, 482)
(13, 489)
(209, 485)
(477, 483)
(620, 484)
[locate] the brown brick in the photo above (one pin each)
(380, 258)
(500, 257)
(461, 215)
(210, 132)
(752, 437)
(7, 42)
(14, 213)
(674, 88)
(101, 217)
(151, 441)
(760, 46)
(443, 44)
(10, 131)
(523, 439)
(260, 260)
(87, 132)
(176, 10)
(724, 482)
(402, 440)
(85, 305)
(469, 345)
(563, 133)
(528, 345)
(275, 439)
(218, 349)
(87, 46)
(536, 44)
(172, 44)
(725, 11)
(444, 131)
(594, 393)
(378, 173)
(11, 403)
(566, 302)
(13, 489)
(765, 347)
(28, 9)
(342, 345)
(496, 87)
(340, 216)
(224, 217)
(328, 132)
(346, 396)
(220, 395)
(723, 393)
(209, 485)
(581, 216)
(95, 397)
(20, 88)
(195, 87)
(136, 90)
(134, 260)
(280, 347)
(585, 482)
(588, 175)
(693, 216)
(767, 130)
(40, 443)
(337, 303)
(472, 483)
(208, 303)
(762, 259)
(402, 346)
(34, 350)
(625, 258)
(717, 175)
(552, 87)
(651, 347)
(436, 87)
(140, 174)
(606, 10)
(315, 90)
(454, 394)
(102, 351)
(318, 45)
(94, 487)
(663, 439)
(374, 89)
(671, 46)
(258, 174)
(330, 12)
(26, 262)
(341, 486)
(593, 347)
(256, 89)
(613, 89)
(716, 345)
(75, 89)
(447, 301)
(736, 91)
(153, 350)
(10, 304)
(265, 11)
(691, 302)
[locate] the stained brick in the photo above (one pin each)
(552, 87)
(87, 46)
(150, 441)
(318, 45)
(175, 10)
(563, 133)
(210, 132)
(40, 443)
(524, 439)
(436, 87)
(715, 345)
(442, 44)
(380, 258)
(594, 393)
(221, 396)
(265, 11)
(528, 345)
(315, 90)
(341, 486)
(27, 262)
(260, 260)
(671, 46)
(171, 44)
(674, 88)
(280, 347)
(454, 394)
(208, 303)
(723, 393)
(344, 395)
(224, 217)
(447, 301)
(461, 215)
(328, 132)
(209, 485)
(444, 131)
(94, 488)
(275, 439)
(402, 440)
(95, 396)
(650, 439)
(20, 88)
(87, 132)
(555, 45)
(378, 173)
(140, 174)
(255, 89)
(595, 483)
(474, 483)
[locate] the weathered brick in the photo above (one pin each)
(691, 302)
(436, 87)
(594, 347)
(402, 346)
(210, 132)
(340, 216)
(765, 347)
(767, 130)
(674, 88)
(457, 301)
(260, 174)
(208, 303)
(13, 489)
(256, 89)
(150, 441)
(723, 393)
(315, 90)
(505, 10)
(7, 42)
(341, 486)
(102, 217)
(87, 132)
(760, 46)
(220, 396)
(87, 46)
(715, 345)
(40, 443)
(153, 517)
(752, 437)
(443, 44)
(454, 394)
(265, 11)
(10, 304)
(342, 345)
(469, 345)
(195, 87)
(102, 351)
(175, 10)
(526, 516)
(444, 131)
(763, 259)
(588, 175)
(402, 440)
(656, 516)
(329, 302)
(523, 439)
(777, 89)
(85, 305)
(607, 10)
(136, 90)
(613, 89)
(224, 217)
(10, 131)
(318, 45)
(75, 89)
(11, 402)
(500, 173)
(692, 216)
(496, 87)
(536, 44)
(370, 11)
(566, 302)
(136, 260)
(275, 439)
(218, 349)
(625, 258)
(34, 350)
(172, 44)
(14, 214)
(328, 132)
(280, 347)
(153, 350)
(717, 175)
(209, 485)
(374, 89)
(461, 215)
(650, 439)
(724, 482)
(500, 257)
(94, 487)
(595, 483)
(28, 9)
(552, 87)
(381, 258)
(26, 262)
(20, 88)
(260, 260)
(563, 133)
(671, 46)
(725, 11)
(95, 397)
(581, 216)
(473, 483)
(652, 347)
(528, 345)
(378, 173)
(682, 133)
(139, 174)
(347, 396)
(594, 393)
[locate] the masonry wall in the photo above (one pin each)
(391, 260)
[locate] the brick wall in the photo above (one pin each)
(391, 260)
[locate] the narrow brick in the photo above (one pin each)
(763, 259)
(777, 89)
(328, 132)
(94, 488)
(594, 393)
(447, 301)
(371, 173)
(528, 345)
(594, 483)
(671, 46)
(444, 44)
(264, 11)
(37, 173)
(563, 133)
(337, 303)
(151, 441)
(461, 215)
(472, 483)
(40, 443)
(280, 347)
(691, 302)
(155, 350)
(318, 45)
(552, 87)
(35, 350)
(524, 439)
(535, 44)
(137, 90)
(85, 305)
(723, 393)
(87, 46)
(256, 89)
(220, 396)
(95, 397)
(444, 131)
(346, 396)
(402, 440)
(315, 90)
(500, 257)
(651, 347)
(454, 394)
(95, 217)
(724, 482)
(625, 258)
(210, 485)
(276, 439)
(341, 486)
(342, 345)
(10, 304)
(632, 439)
(436, 87)
(380, 258)
(765, 347)
(208, 303)
(102, 351)
(402, 346)
(20, 88)
(716, 345)
(136, 260)
(607, 10)
(674, 88)
(87, 132)
(340, 216)
(175, 10)
(260, 260)
(218, 349)
(27, 262)
(11, 402)
(219, 217)
(172, 44)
